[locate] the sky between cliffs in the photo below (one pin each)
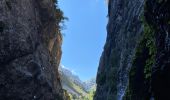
(85, 35)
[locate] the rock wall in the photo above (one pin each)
(123, 31)
(30, 50)
(149, 76)
(160, 81)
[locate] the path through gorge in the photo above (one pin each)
(84, 50)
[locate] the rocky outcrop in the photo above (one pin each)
(123, 31)
(148, 78)
(30, 50)
(150, 72)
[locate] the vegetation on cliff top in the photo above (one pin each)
(60, 18)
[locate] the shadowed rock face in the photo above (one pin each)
(29, 51)
(158, 16)
(123, 30)
(150, 72)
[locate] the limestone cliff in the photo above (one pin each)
(30, 50)
(123, 31)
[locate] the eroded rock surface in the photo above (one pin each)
(150, 72)
(30, 50)
(123, 31)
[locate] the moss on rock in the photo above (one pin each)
(140, 73)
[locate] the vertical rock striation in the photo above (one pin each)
(123, 30)
(30, 50)
(150, 72)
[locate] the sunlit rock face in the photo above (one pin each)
(28, 65)
(123, 31)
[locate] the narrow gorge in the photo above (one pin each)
(134, 65)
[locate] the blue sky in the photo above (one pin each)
(85, 35)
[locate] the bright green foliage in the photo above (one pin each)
(88, 96)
